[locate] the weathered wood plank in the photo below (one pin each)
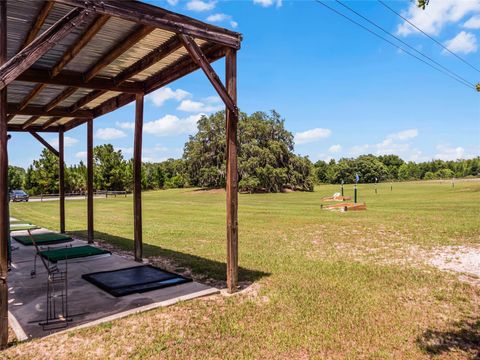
(39, 21)
(200, 58)
(232, 174)
(150, 15)
(50, 122)
(41, 45)
(137, 178)
(29, 122)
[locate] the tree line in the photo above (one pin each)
(266, 163)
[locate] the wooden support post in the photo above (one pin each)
(4, 217)
(90, 181)
(232, 173)
(61, 178)
(137, 178)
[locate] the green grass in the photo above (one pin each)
(324, 284)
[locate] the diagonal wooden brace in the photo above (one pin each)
(45, 143)
(199, 57)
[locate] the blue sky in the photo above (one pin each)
(341, 90)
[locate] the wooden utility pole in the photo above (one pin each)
(61, 178)
(232, 173)
(90, 181)
(137, 178)
(4, 217)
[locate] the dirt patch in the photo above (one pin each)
(460, 259)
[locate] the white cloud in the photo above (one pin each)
(268, 3)
(438, 14)
(160, 96)
(67, 142)
(197, 106)
(311, 135)
(233, 24)
(172, 125)
(199, 5)
(81, 155)
(445, 152)
(472, 23)
(464, 42)
(404, 135)
(125, 151)
(335, 148)
(125, 125)
(218, 17)
(395, 143)
(172, 2)
(109, 134)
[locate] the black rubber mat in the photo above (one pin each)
(132, 280)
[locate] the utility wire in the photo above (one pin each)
(404, 43)
(391, 43)
(430, 37)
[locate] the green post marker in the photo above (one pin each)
(453, 183)
(341, 188)
(355, 194)
(376, 180)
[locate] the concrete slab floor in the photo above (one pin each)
(87, 304)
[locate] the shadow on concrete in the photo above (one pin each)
(200, 269)
(465, 337)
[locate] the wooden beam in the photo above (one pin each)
(41, 45)
(150, 15)
(117, 50)
(86, 99)
(39, 21)
(137, 178)
(4, 215)
(232, 174)
(29, 122)
(78, 45)
(74, 79)
(40, 111)
(45, 143)
(201, 60)
(30, 96)
(60, 97)
(50, 122)
(34, 128)
(90, 181)
(61, 179)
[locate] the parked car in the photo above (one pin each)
(19, 195)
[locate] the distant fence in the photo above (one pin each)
(80, 194)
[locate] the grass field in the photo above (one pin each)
(318, 284)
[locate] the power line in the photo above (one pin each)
(404, 43)
(391, 43)
(430, 37)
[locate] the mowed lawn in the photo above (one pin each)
(317, 284)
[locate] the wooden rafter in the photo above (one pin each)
(29, 122)
(41, 45)
(39, 21)
(199, 57)
(59, 98)
(75, 79)
(50, 122)
(40, 111)
(44, 143)
(150, 15)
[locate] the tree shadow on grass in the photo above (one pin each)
(465, 337)
(208, 271)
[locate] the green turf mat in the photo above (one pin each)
(19, 227)
(72, 253)
(42, 239)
